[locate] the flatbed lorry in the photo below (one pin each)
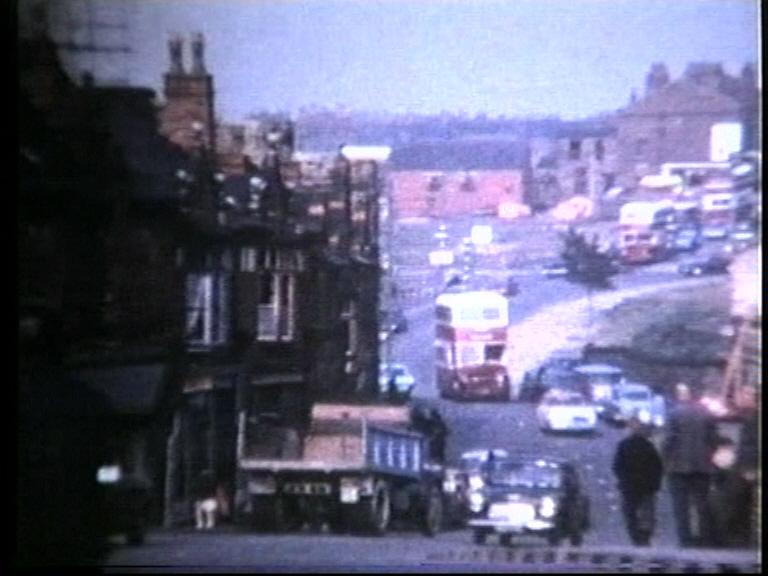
(357, 469)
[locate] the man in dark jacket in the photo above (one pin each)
(689, 444)
(637, 466)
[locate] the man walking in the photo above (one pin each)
(687, 450)
(638, 468)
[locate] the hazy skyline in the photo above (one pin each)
(571, 58)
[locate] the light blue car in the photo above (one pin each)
(629, 399)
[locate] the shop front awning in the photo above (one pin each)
(276, 378)
(131, 390)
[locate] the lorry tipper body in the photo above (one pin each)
(358, 468)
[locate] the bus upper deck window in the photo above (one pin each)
(491, 314)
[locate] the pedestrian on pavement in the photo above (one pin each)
(638, 469)
(689, 444)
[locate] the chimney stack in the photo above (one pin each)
(198, 49)
(175, 49)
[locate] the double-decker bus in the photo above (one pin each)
(646, 231)
(722, 207)
(470, 345)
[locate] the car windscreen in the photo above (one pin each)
(524, 475)
(636, 396)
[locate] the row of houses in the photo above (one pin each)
(181, 294)
(702, 116)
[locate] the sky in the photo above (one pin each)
(567, 58)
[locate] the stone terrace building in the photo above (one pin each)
(577, 160)
(458, 177)
(674, 120)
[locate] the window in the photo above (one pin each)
(435, 184)
(207, 309)
(574, 149)
(470, 354)
(491, 313)
(599, 150)
(468, 184)
(276, 314)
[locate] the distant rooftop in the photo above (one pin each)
(465, 154)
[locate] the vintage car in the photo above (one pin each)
(469, 477)
(628, 399)
(566, 411)
(596, 381)
(400, 375)
(526, 495)
(715, 264)
(687, 240)
(124, 500)
(555, 372)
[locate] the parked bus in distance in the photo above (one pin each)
(470, 345)
(646, 231)
(722, 207)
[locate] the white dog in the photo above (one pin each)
(205, 513)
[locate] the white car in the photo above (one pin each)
(635, 399)
(566, 411)
(403, 379)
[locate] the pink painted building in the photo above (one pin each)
(452, 178)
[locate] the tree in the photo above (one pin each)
(587, 264)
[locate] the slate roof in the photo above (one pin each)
(465, 154)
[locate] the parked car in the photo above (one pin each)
(555, 372)
(566, 411)
(402, 377)
(554, 269)
(715, 264)
(596, 381)
(715, 232)
(531, 495)
(743, 236)
(628, 399)
(687, 240)
(125, 500)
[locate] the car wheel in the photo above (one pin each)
(576, 537)
(505, 539)
(479, 535)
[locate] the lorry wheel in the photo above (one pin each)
(433, 513)
(554, 537)
(576, 537)
(264, 513)
(377, 509)
(479, 535)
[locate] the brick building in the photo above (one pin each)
(189, 97)
(578, 159)
(679, 121)
(457, 177)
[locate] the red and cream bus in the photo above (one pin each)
(646, 231)
(470, 345)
